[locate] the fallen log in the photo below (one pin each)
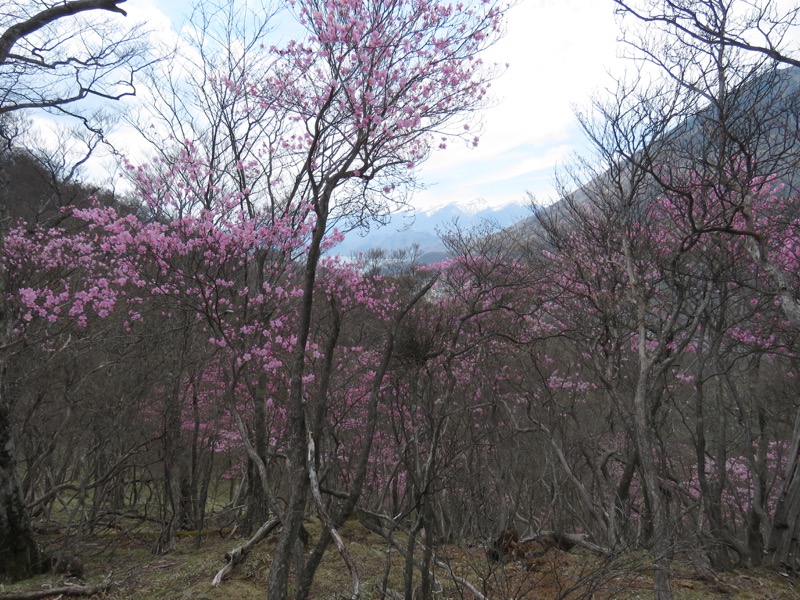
(66, 590)
(509, 545)
(237, 555)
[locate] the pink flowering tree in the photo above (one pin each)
(442, 398)
(216, 274)
(724, 317)
(370, 90)
(220, 277)
(634, 287)
(623, 275)
(48, 63)
(746, 321)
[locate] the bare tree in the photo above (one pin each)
(604, 229)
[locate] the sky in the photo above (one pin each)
(559, 53)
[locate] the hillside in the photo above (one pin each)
(761, 116)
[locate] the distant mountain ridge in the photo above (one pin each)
(423, 226)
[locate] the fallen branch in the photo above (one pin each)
(390, 593)
(237, 555)
(67, 590)
(567, 541)
(582, 542)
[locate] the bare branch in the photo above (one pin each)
(687, 20)
(16, 32)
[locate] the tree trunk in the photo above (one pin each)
(647, 466)
(711, 492)
(426, 588)
(408, 573)
(174, 470)
(257, 497)
(296, 422)
(19, 554)
(646, 442)
(346, 508)
(783, 549)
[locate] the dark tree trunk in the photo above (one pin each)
(426, 588)
(711, 491)
(408, 573)
(659, 542)
(174, 468)
(19, 554)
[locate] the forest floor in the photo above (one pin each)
(186, 573)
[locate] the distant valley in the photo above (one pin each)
(424, 227)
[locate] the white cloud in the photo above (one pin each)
(153, 15)
(530, 161)
(559, 52)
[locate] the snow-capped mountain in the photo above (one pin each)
(424, 226)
